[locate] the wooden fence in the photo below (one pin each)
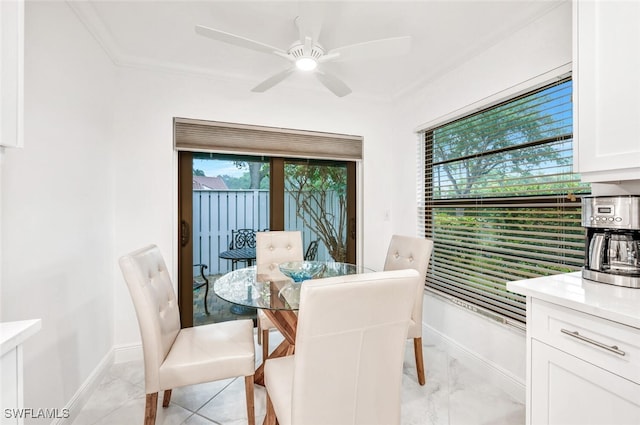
(217, 212)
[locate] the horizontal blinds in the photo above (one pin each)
(500, 199)
(200, 135)
(479, 247)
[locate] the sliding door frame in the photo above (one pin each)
(192, 135)
(276, 221)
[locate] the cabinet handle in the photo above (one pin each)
(612, 348)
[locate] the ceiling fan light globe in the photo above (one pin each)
(306, 63)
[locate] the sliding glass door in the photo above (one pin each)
(221, 196)
(316, 203)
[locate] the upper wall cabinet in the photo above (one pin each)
(11, 72)
(606, 76)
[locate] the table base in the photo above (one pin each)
(242, 310)
(285, 321)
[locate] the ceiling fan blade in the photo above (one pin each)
(237, 40)
(333, 83)
(273, 80)
(385, 47)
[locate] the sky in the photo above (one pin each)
(216, 167)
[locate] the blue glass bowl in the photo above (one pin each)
(301, 270)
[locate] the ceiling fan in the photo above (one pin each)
(307, 55)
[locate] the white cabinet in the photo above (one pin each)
(12, 336)
(584, 370)
(567, 390)
(583, 351)
(606, 66)
(11, 72)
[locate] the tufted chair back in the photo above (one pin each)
(275, 247)
(156, 307)
(407, 252)
(347, 366)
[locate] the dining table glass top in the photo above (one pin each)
(247, 288)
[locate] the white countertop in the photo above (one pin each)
(571, 290)
(13, 334)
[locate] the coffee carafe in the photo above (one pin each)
(612, 248)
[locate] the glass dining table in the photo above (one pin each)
(277, 295)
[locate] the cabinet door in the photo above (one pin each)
(607, 90)
(566, 390)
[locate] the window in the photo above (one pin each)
(501, 201)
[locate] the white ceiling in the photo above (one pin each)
(444, 34)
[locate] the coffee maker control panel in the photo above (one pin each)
(615, 212)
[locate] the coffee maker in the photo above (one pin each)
(612, 246)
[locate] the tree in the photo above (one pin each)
(501, 131)
(198, 172)
(257, 172)
(315, 188)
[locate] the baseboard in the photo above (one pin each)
(492, 372)
(120, 354)
(79, 399)
(128, 353)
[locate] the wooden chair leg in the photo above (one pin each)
(417, 348)
(251, 411)
(265, 344)
(270, 417)
(150, 409)
(166, 398)
(259, 333)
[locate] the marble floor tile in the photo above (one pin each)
(193, 397)
(453, 395)
(132, 412)
(229, 406)
(473, 400)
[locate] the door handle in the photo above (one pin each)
(352, 230)
(185, 233)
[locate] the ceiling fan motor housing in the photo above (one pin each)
(297, 51)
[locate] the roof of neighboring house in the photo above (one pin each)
(210, 183)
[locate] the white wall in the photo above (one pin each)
(536, 49)
(97, 178)
(57, 215)
(146, 167)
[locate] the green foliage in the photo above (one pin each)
(314, 187)
(198, 172)
(499, 149)
(257, 175)
(244, 182)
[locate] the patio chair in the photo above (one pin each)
(347, 366)
(272, 248)
(407, 252)
(175, 357)
(312, 251)
(202, 281)
(242, 238)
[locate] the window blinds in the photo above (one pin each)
(501, 201)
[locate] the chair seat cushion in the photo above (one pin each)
(278, 380)
(208, 353)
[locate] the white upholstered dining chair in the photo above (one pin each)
(350, 344)
(273, 248)
(175, 357)
(406, 252)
